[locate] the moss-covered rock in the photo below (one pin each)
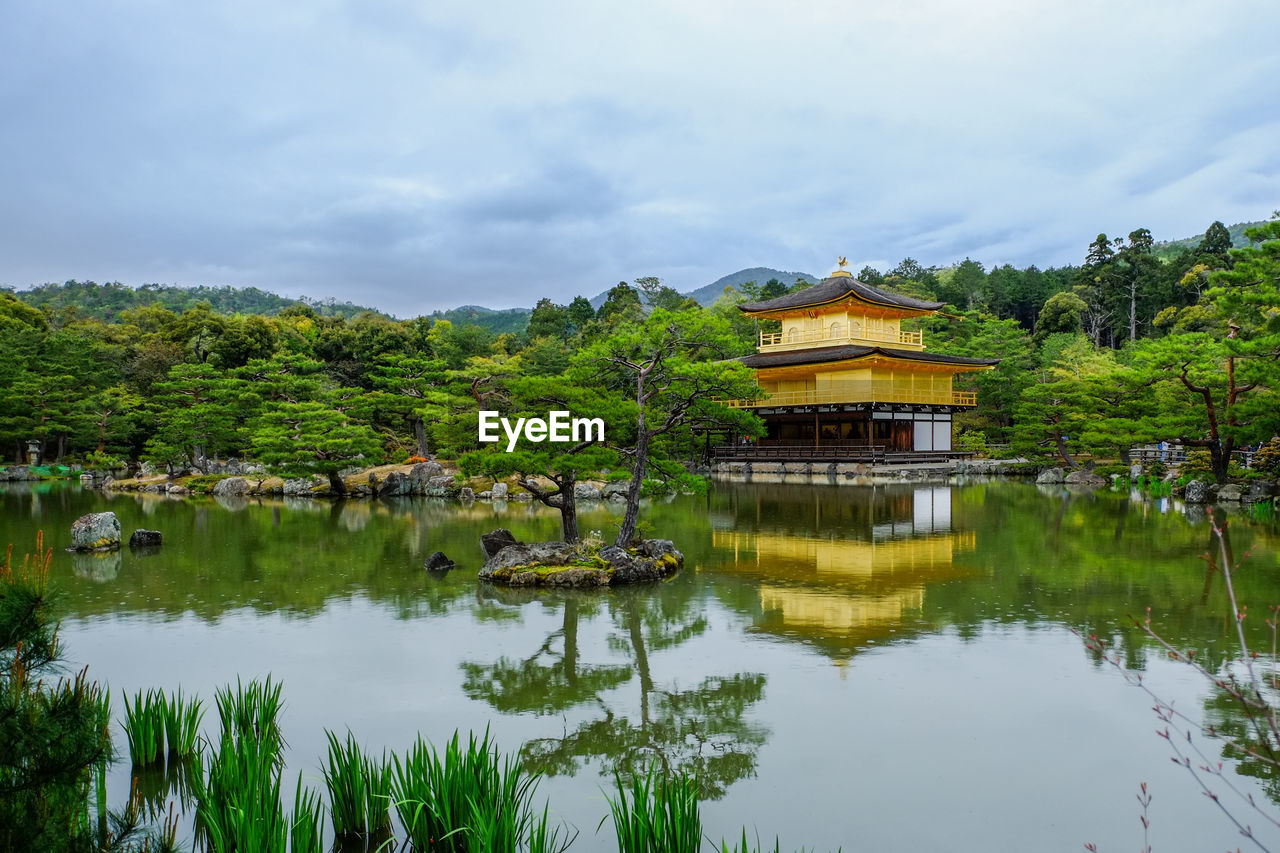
(560, 564)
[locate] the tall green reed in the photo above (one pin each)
(252, 711)
(468, 800)
(359, 790)
(237, 790)
(657, 814)
(237, 785)
(144, 727)
(181, 723)
(306, 824)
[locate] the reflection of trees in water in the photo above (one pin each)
(1247, 741)
(701, 730)
(548, 681)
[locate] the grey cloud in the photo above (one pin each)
(416, 156)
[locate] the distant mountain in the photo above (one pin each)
(1238, 239)
(498, 321)
(709, 293)
(106, 301)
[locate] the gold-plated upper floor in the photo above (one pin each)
(836, 335)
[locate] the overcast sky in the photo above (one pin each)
(423, 155)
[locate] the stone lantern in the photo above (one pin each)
(33, 451)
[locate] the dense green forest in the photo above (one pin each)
(1126, 348)
(107, 301)
(1239, 239)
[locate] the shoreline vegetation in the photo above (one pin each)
(1138, 345)
(464, 796)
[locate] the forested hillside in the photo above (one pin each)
(1235, 234)
(497, 321)
(107, 301)
(1126, 348)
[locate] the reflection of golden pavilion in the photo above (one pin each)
(843, 593)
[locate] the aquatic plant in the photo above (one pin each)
(306, 824)
(237, 790)
(251, 712)
(359, 790)
(1262, 512)
(658, 814)
(744, 846)
(470, 800)
(181, 723)
(144, 726)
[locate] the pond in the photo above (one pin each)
(868, 667)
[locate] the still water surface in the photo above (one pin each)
(875, 668)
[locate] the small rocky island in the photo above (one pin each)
(575, 564)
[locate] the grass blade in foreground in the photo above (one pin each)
(660, 816)
(359, 790)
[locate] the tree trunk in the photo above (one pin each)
(62, 448)
(628, 529)
(569, 510)
(629, 519)
(1063, 452)
(420, 437)
(1133, 311)
(1221, 458)
(1126, 457)
(567, 503)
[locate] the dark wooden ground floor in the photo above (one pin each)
(920, 428)
(853, 432)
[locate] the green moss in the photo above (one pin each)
(203, 483)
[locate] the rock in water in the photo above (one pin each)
(496, 540)
(1261, 490)
(560, 564)
(97, 531)
(145, 539)
(1083, 478)
(438, 562)
(1231, 493)
(586, 492)
(499, 491)
(533, 554)
(1197, 492)
(466, 495)
(1051, 475)
(299, 486)
(424, 471)
(396, 485)
(231, 487)
(616, 557)
(439, 487)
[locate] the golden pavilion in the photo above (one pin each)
(843, 378)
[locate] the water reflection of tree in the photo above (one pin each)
(548, 681)
(702, 730)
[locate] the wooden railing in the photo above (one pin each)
(771, 341)
(858, 392)
(836, 450)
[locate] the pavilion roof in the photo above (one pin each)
(834, 289)
(820, 355)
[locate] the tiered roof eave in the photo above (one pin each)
(836, 289)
